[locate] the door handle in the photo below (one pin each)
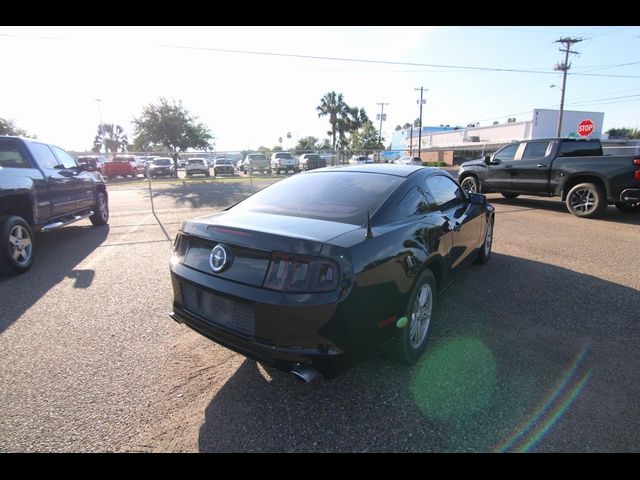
(541, 165)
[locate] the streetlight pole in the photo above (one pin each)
(567, 42)
(421, 102)
(98, 100)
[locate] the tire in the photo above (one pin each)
(100, 210)
(419, 314)
(628, 207)
(470, 184)
(17, 245)
(586, 200)
(510, 195)
(485, 249)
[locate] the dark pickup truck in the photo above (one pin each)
(42, 188)
(575, 170)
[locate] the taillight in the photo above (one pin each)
(180, 244)
(636, 175)
(301, 273)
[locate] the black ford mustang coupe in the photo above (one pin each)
(313, 272)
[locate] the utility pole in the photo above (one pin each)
(381, 117)
(563, 67)
(101, 124)
(421, 102)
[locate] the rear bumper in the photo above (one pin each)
(630, 195)
(281, 335)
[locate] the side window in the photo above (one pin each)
(43, 155)
(535, 150)
(507, 153)
(65, 159)
(579, 149)
(445, 191)
(413, 202)
(11, 156)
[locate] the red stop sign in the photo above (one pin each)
(586, 128)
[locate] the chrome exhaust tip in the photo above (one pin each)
(303, 373)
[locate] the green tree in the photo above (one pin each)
(306, 143)
(398, 128)
(276, 148)
(631, 133)
(365, 139)
(8, 127)
(114, 138)
(173, 127)
(406, 126)
(333, 105)
(416, 122)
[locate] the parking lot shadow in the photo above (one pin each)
(523, 356)
(610, 214)
(58, 253)
(198, 195)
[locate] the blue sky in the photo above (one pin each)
(248, 100)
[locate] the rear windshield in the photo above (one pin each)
(313, 157)
(284, 155)
(343, 197)
(195, 161)
(162, 162)
(257, 157)
(223, 161)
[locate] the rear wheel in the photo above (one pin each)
(413, 340)
(16, 245)
(628, 207)
(510, 195)
(586, 200)
(470, 184)
(100, 210)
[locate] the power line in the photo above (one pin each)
(380, 62)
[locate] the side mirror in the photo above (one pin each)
(477, 199)
(487, 159)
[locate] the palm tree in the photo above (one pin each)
(332, 104)
(112, 137)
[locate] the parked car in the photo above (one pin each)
(284, 162)
(360, 160)
(408, 160)
(317, 270)
(42, 187)
(119, 167)
(256, 162)
(137, 164)
(91, 163)
(573, 169)
(196, 165)
(311, 161)
(223, 166)
(161, 167)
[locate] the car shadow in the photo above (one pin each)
(57, 254)
(523, 356)
(523, 203)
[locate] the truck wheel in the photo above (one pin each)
(586, 200)
(628, 207)
(100, 210)
(16, 245)
(412, 341)
(470, 184)
(510, 195)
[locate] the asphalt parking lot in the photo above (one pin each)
(537, 351)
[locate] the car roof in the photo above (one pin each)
(382, 168)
